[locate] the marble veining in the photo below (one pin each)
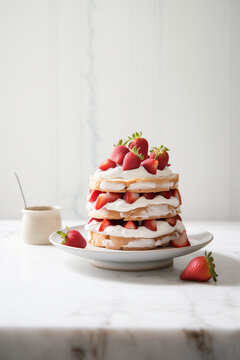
(202, 340)
(54, 305)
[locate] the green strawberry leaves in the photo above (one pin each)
(134, 136)
(211, 265)
(63, 235)
(158, 150)
(120, 142)
(135, 151)
(161, 148)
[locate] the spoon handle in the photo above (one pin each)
(20, 186)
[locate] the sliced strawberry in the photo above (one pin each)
(130, 197)
(149, 196)
(166, 194)
(94, 219)
(172, 221)
(161, 155)
(105, 198)
(132, 160)
(93, 196)
(182, 241)
(131, 225)
(178, 217)
(176, 194)
(150, 224)
(150, 165)
(118, 153)
(104, 224)
(107, 164)
(139, 142)
(201, 268)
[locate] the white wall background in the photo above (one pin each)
(76, 75)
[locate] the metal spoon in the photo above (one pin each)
(20, 186)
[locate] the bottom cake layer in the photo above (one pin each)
(124, 243)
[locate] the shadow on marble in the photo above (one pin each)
(227, 268)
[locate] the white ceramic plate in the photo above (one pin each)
(132, 260)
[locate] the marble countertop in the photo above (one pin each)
(57, 306)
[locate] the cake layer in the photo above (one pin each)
(147, 212)
(142, 208)
(124, 243)
(163, 228)
(146, 185)
(143, 200)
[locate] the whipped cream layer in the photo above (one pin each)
(150, 243)
(139, 173)
(143, 243)
(111, 186)
(122, 206)
(156, 211)
(163, 228)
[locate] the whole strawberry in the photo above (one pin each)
(160, 154)
(72, 238)
(201, 268)
(140, 143)
(132, 160)
(118, 153)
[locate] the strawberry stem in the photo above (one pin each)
(211, 265)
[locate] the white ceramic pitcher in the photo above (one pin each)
(39, 222)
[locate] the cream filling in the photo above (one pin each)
(163, 228)
(156, 211)
(105, 185)
(142, 243)
(140, 173)
(122, 206)
(142, 185)
(149, 185)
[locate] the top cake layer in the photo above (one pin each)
(133, 168)
(148, 184)
(136, 180)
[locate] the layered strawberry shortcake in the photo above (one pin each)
(134, 201)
